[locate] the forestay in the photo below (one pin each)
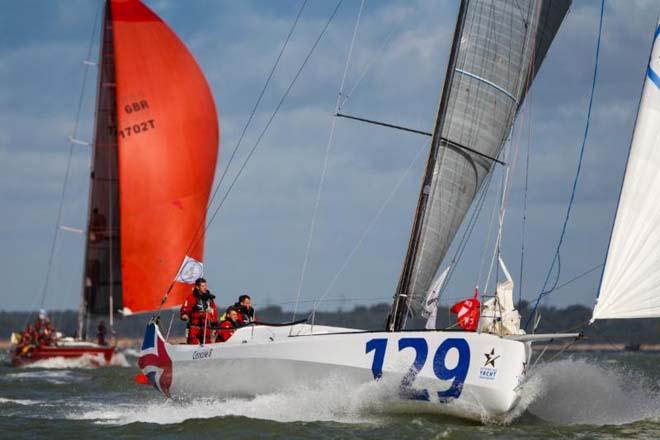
(630, 287)
(499, 47)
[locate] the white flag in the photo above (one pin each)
(430, 311)
(190, 270)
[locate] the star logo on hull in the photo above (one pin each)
(491, 358)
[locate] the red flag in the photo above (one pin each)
(467, 314)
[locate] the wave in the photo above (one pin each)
(562, 393)
(53, 377)
(334, 400)
(86, 361)
(24, 402)
(587, 392)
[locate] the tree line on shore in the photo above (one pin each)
(569, 319)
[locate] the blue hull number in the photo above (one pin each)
(457, 374)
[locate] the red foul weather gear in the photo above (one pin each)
(227, 329)
(45, 332)
(202, 314)
(245, 314)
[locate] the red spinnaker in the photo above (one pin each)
(167, 133)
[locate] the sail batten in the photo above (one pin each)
(498, 47)
(630, 284)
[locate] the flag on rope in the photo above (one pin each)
(190, 270)
(430, 311)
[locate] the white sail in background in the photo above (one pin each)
(630, 287)
(430, 311)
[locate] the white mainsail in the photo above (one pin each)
(630, 287)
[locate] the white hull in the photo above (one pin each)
(453, 376)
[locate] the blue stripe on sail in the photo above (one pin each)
(650, 72)
(653, 77)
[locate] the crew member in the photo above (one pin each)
(45, 333)
(28, 340)
(229, 325)
(100, 335)
(200, 312)
(244, 310)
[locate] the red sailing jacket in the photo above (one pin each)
(227, 329)
(199, 310)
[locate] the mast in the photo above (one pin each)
(400, 304)
(102, 267)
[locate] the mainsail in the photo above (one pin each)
(498, 47)
(155, 150)
(630, 286)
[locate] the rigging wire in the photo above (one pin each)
(277, 108)
(556, 258)
(367, 68)
(502, 212)
(366, 231)
(69, 160)
(324, 169)
(513, 148)
(252, 114)
(524, 224)
(528, 111)
(202, 226)
(258, 141)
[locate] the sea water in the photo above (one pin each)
(607, 395)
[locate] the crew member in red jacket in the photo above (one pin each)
(229, 325)
(200, 312)
(244, 310)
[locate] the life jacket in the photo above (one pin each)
(200, 309)
(227, 329)
(467, 313)
(245, 314)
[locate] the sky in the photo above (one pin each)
(258, 241)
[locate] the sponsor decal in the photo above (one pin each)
(202, 354)
(488, 371)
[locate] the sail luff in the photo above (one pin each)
(630, 282)
(502, 44)
(82, 307)
(102, 266)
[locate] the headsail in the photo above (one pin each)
(498, 47)
(630, 287)
(157, 125)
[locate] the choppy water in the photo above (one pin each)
(595, 396)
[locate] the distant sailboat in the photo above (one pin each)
(153, 162)
(497, 49)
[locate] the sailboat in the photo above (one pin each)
(154, 153)
(498, 47)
